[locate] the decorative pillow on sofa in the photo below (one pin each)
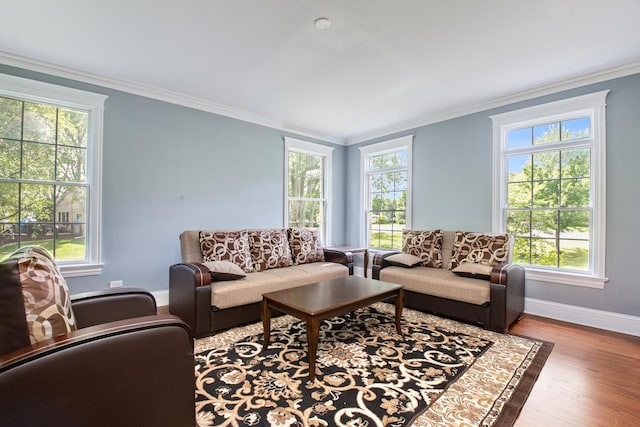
(44, 293)
(479, 248)
(224, 270)
(403, 260)
(427, 245)
(227, 246)
(473, 270)
(270, 249)
(305, 245)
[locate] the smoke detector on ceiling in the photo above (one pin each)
(322, 23)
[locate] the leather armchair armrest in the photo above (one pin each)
(341, 257)
(507, 295)
(121, 373)
(379, 263)
(190, 295)
(93, 308)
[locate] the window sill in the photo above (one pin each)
(565, 278)
(79, 270)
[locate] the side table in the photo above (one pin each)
(355, 250)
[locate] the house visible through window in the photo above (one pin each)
(47, 175)
(386, 178)
(550, 185)
(308, 169)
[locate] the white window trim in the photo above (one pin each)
(593, 105)
(383, 148)
(46, 93)
(297, 145)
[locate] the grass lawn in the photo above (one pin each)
(71, 249)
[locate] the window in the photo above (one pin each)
(386, 177)
(549, 190)
(50, 148)
(308, 172)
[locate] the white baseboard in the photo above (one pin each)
(162, 297)
(607, 320)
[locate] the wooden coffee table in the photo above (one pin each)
(324, 300)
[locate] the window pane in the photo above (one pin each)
(9, 159)
(544, 252)
(306, 213)
(71, 165)
(576, 128)
(546, 134)
(39, 122)
(575, 192)
(10, 118)
(544, 224)
(38, 161)
(521, 250)
(574, 254)
(546, 194)
(519, 168)
(519, 138)
(576, 163)
(546, 166)
(574, 224)
(519, 223)
(519, 195)
(36, 203)
(72, 128)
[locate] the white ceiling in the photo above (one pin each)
(383, 65)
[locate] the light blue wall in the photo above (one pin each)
(452, 179)
(168, 168)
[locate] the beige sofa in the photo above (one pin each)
(493, 296)
(264, 260)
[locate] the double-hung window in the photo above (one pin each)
(50, 148)
(308, 174)
(549, 188)
(386, 177)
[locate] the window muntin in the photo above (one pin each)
(50, 174)
(387, 179)
(550, 175)
(308, 168)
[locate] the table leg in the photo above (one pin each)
(366, 262)
(399, 305)
(266, 323)
(312, 344)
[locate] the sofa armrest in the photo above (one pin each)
(507, 295)
(190, 295)
(340, 257)
(143, 368)
(93, 308)
(379, 263)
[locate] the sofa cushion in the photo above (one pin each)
(306, 246)
(439, 282)
(481, 248)
(473, 270)
(270, 249)
(224, 270)
(44, 294)
(250, 289)
(227, 246)
(403, 260)
(425, 244)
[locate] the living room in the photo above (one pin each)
(172, 163)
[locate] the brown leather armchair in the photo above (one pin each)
(123, 366)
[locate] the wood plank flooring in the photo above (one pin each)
(591, 379)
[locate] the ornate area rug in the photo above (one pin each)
(439, 373)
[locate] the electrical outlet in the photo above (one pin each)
(115, 284)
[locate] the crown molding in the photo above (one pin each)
(571, 83)
(159, 94)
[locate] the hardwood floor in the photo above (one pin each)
(592, 377)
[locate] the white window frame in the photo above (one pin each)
(93, 104)
(403, 142)
(299, 146)
(592, 105)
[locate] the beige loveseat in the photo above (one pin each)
(487, 289)
(224, 273)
